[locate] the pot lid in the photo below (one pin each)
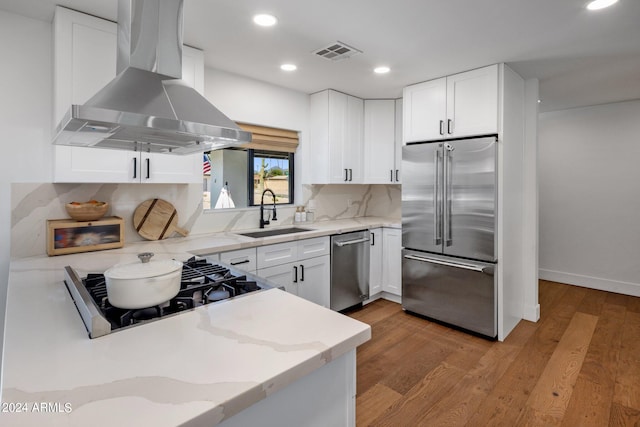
(143, 270)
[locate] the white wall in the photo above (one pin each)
(589, 187)
(25, 118)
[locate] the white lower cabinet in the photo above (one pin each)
(242, 259)
(301, 267)
(284, 275)
(375, 262)
(314, 278)
(308, 279)
(392, 261)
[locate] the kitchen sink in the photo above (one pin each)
(274, 232)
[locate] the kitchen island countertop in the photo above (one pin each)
(209, 363)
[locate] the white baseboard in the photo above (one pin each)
(392, 297)
(531, 313)
(616, 286)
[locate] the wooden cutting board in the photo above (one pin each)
(156, 219)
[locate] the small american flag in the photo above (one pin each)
(206, 164)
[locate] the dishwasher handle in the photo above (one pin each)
(472, 267)
(351, 242)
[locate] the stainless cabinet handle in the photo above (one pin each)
(295, 274)
(351, 242)
(472, 267)
(135, 167)
(239, 262)
(301, 273)
(437, 235)
(391, 176)
(350, 175)
(373, 239)
(397, 179)
(346, 175)
(449, 127)
(441, 127)
(148, 168)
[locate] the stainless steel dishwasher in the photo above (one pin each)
(349, 269)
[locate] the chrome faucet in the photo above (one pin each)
(262, 208)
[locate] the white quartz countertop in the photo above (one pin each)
(208, 363)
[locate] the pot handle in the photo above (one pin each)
(145, 256)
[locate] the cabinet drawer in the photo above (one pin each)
(281, 253)
(242, 259)
(311, 248)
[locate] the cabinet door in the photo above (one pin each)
(79, 164)
(337, 137)
(379, 141)
(398, 142)
(281, 253)
(314, 277)
(242, 259)
(193, 68)
(311, 248)
(352, 157)
(392, 265)
(424, 110)
(282, 275)
(472, 102)
(84, 58)
(375, 262)
(159, 168)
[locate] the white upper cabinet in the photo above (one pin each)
(472, 102)
(84, 62)
(460, 105)
(425, 108)
(379, 141)
(336, 139)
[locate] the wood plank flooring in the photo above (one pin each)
(578, 366)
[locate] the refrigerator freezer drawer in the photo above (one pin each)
(454, 291)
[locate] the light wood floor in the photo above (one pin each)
(578, 366)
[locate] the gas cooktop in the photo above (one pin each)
(202, 283)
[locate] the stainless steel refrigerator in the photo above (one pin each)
(449, 222)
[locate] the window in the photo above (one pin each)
(236, 177)
(272, 170)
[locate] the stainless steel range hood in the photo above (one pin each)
(147, 107)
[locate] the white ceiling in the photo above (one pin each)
(581, 57)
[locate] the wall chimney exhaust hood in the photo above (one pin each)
(147, 107)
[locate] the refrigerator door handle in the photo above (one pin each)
(472, 267)
(447, 193)
(437, 212)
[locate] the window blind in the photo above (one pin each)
(271, 139)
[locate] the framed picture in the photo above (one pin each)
(66, 236)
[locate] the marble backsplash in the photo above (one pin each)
(32, 204)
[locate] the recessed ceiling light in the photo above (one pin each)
(539, 101)
(600, 4)
(288, 67)
(381, 70)
(265, 20)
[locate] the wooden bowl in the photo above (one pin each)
(87, 211)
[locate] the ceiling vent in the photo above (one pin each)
(337, 51)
